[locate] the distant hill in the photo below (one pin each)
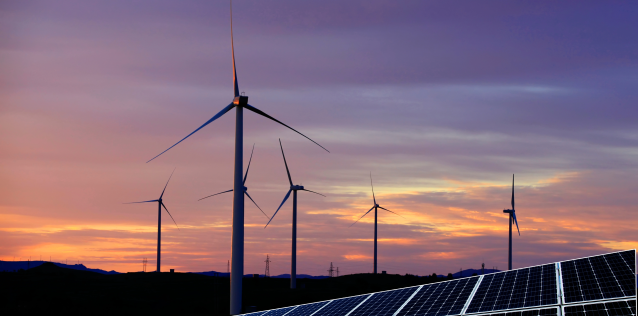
(11, 266)
(469, 272)
(281, 276)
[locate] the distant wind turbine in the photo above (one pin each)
(294, 189)
(374, 207)
(237, 252)
(244, 184)
(160, 203)
(512, 213)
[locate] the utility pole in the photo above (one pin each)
(267, 272)
(482, 268)
(228, 268)
(461, 273)
(331, 271)
(337, 271)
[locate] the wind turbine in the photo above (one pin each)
(160, 203)
(512, 213)
(240, 102)
(294, 189)
(374, 207)
(244, 184)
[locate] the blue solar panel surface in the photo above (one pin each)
(278, 312)
(384, 303)
(535, 286)
(307, 309)
(341, 306)
(599, 277)
(444, 298)
(626, 308)
(528, 312)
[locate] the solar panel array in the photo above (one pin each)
(600, 285)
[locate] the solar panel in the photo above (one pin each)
(528, 312)
(443, 298)
(529, 287)
(600, 285)
(341, 307)
(600, 277)
(307, 309)
(278, 312)
(384, 303)
(603, 309)
(254, 314)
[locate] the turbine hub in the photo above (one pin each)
(240, 100)
(245, 189)
(377, 205)
(296, 187)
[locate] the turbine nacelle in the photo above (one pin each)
(240, 100)
(296, 187)
(508, 211)
(377, 205)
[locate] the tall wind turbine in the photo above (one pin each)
(160, 203)
(240, 102)
(374, 207)
(512, 213)
(294, 189)
(244, 184)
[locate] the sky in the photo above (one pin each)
(441, 101)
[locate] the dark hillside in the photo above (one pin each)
(50, 289)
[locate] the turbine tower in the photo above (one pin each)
(294, 189)
(374, 207)
(160, 203)
(240, 102)
(244, 184)
(512, 217)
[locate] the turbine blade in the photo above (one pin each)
(314, 192)
(141, 202)
(248, 195)
(218, 115)
(515, 221)
(280, 205)
(285, 163)
(373, 198)
(363, 216)
(512, 191)
(383, 208)
(249, 161)
(260, 112)
(169, 214)
(231, 190)
(232, 45)
(169, 179)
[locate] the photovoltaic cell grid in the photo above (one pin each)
(278, 312)
(530, 287)
(340, 307)
(529, 312)
(384, 303)
(444, 298)
(610, 276)
(602, 309)
(307, 309)
(600, 277)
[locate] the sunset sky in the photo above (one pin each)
(441, 100)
